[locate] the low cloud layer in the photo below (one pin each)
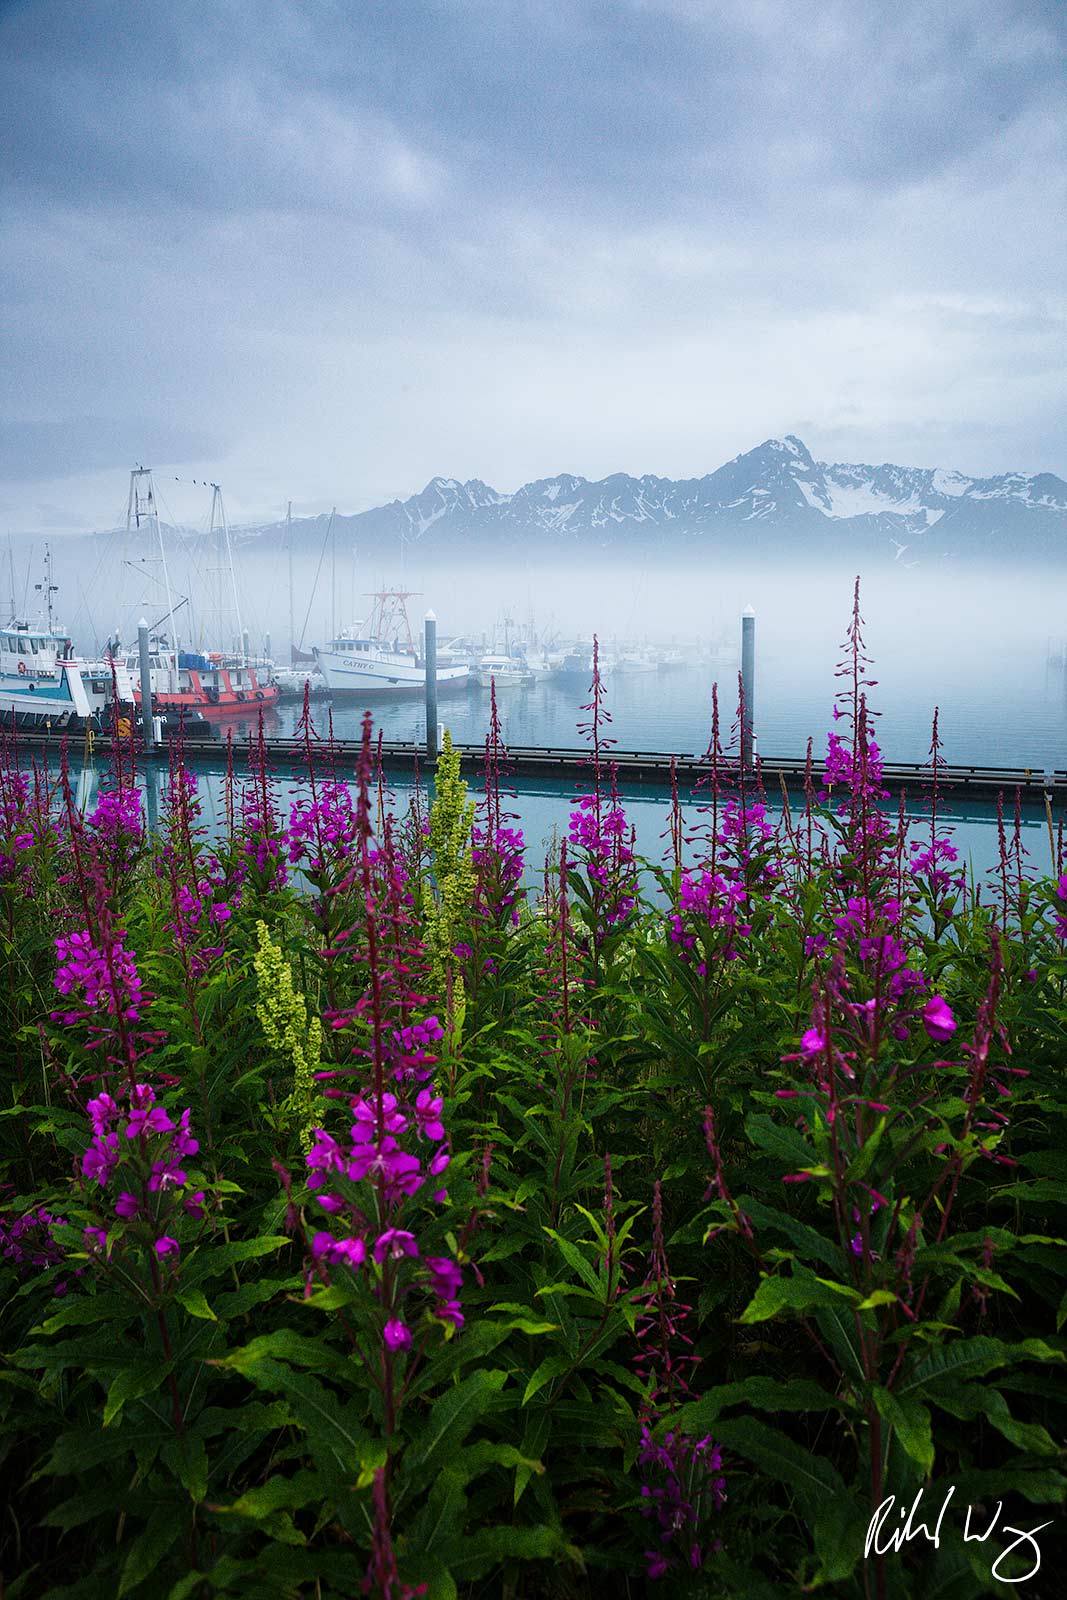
(325, 252)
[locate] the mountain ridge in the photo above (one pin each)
(767, 497)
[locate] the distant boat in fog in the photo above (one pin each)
(504, 671)
(576, 667)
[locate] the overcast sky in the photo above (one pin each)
(326, 249)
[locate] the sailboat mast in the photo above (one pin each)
(289, 548)
(144, 505)
(233, 575)
(333, 574)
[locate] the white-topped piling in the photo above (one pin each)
(748, 683)
(430, 664)
(144, 654)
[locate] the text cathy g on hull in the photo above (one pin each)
(1024, 1540)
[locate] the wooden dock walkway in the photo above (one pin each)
(286, 755)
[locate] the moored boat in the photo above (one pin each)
(504, 671)
(40, 677)
(379, 657)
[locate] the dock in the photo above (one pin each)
(287, 756)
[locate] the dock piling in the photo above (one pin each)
(430, 656)
(748, 683)
(144, 656)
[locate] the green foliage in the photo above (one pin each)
(872, 1276)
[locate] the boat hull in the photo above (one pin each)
(33, 699)
(236, 703)
(345, 676)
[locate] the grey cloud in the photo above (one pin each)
(71, 445)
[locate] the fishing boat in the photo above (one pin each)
(380, 657)
(632, 662)
(40, 677)
(505, 671)
(211, 684)
(576, 667)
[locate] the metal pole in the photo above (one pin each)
(244, 643)
(144, 652)
(430, 655)
(748, 682)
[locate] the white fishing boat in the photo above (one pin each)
(507, 672)
(40, 677)
(633, 661)
(380, 657)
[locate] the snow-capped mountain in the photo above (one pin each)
(776, 496)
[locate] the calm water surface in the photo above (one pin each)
(1001, 709)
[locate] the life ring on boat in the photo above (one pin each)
(22, 669)
(213, 696)
(259, 694)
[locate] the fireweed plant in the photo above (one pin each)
(380, 1217)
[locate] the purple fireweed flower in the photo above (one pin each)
(397, 1335)
(100, 1158)
(812, 1042)
(27, 1242)
(938, 1020)
(349, 1252)
(428, 1113)
(684, 1486)
(147, 1121)
(102, 1113)
(127, 1205)
(107, 982)
(166, 1246)
(396, 1244)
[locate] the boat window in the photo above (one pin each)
(22, 648)
(33, 646)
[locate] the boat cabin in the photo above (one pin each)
(30, 652)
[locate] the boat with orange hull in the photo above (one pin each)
(216, 685)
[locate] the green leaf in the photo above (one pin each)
(910, 1421)
(971, 1358)
(149, 1548)
(450, 1420)
(577, 1261)
(551, 1367)
(811, 1478)
(838, 1535)
(196, 1304)
(764, 1394)
(478, 1553)
(140, 1377)
(187, 1459)
(878, 1297)
(796, 1293)
(280, 1493)
(91, 1309)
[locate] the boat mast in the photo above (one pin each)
(142, 506)
(217, 496)
(289, 548)
(333, 575)
(47, 586)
